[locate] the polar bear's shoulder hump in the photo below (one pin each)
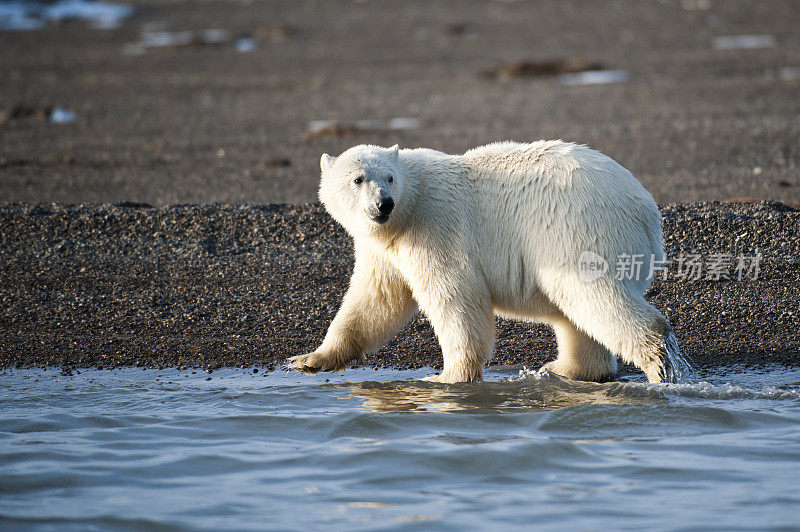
(509, 152)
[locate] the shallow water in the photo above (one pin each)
(133, 449)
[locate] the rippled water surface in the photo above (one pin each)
(135, 449)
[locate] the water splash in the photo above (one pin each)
(688, 390)
(707, 390)
(535, 374)
(681, 366)
(678, 368)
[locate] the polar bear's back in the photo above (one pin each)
(552, 200)
(552, 164)
(514, 160)
(565, 179)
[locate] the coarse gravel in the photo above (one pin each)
(208, 286)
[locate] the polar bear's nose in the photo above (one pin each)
(385, 205)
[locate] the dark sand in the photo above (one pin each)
(205, 123)
(206, 286)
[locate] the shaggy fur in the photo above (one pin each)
(498, 230)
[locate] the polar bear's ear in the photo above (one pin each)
(325, 162)
(394, 150)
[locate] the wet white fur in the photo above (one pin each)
(497, 230)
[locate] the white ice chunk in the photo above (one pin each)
(60, 115)
(245, 45)
(790, 73)
(743, 42)
(101, 15)
(594, 77)
(404, 123)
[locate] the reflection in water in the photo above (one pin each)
(545, 391)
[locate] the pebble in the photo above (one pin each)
(210, 286)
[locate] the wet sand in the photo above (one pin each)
(211, 286)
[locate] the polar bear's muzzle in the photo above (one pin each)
(383, 208)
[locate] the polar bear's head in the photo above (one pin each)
(363, 188)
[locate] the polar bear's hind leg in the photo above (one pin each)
(618, 317)
(580, 357)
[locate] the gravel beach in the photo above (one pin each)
(221, 285)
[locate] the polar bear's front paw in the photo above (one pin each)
(312, 363)
(309, 364)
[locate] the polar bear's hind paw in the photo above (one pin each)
(666, 372)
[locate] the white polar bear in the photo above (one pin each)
(503, 229)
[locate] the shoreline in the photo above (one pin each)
(210, 286)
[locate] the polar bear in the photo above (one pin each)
(504, 230)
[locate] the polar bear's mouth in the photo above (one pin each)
(379, 218)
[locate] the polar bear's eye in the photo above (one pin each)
(358, 180)
(390, 179)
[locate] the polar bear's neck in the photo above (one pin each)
(427, 174)
(421, 163)
(429, 180)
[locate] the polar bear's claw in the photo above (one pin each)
(308, 364)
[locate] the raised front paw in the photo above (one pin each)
(311, 363)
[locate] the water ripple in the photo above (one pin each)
(159, 450)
